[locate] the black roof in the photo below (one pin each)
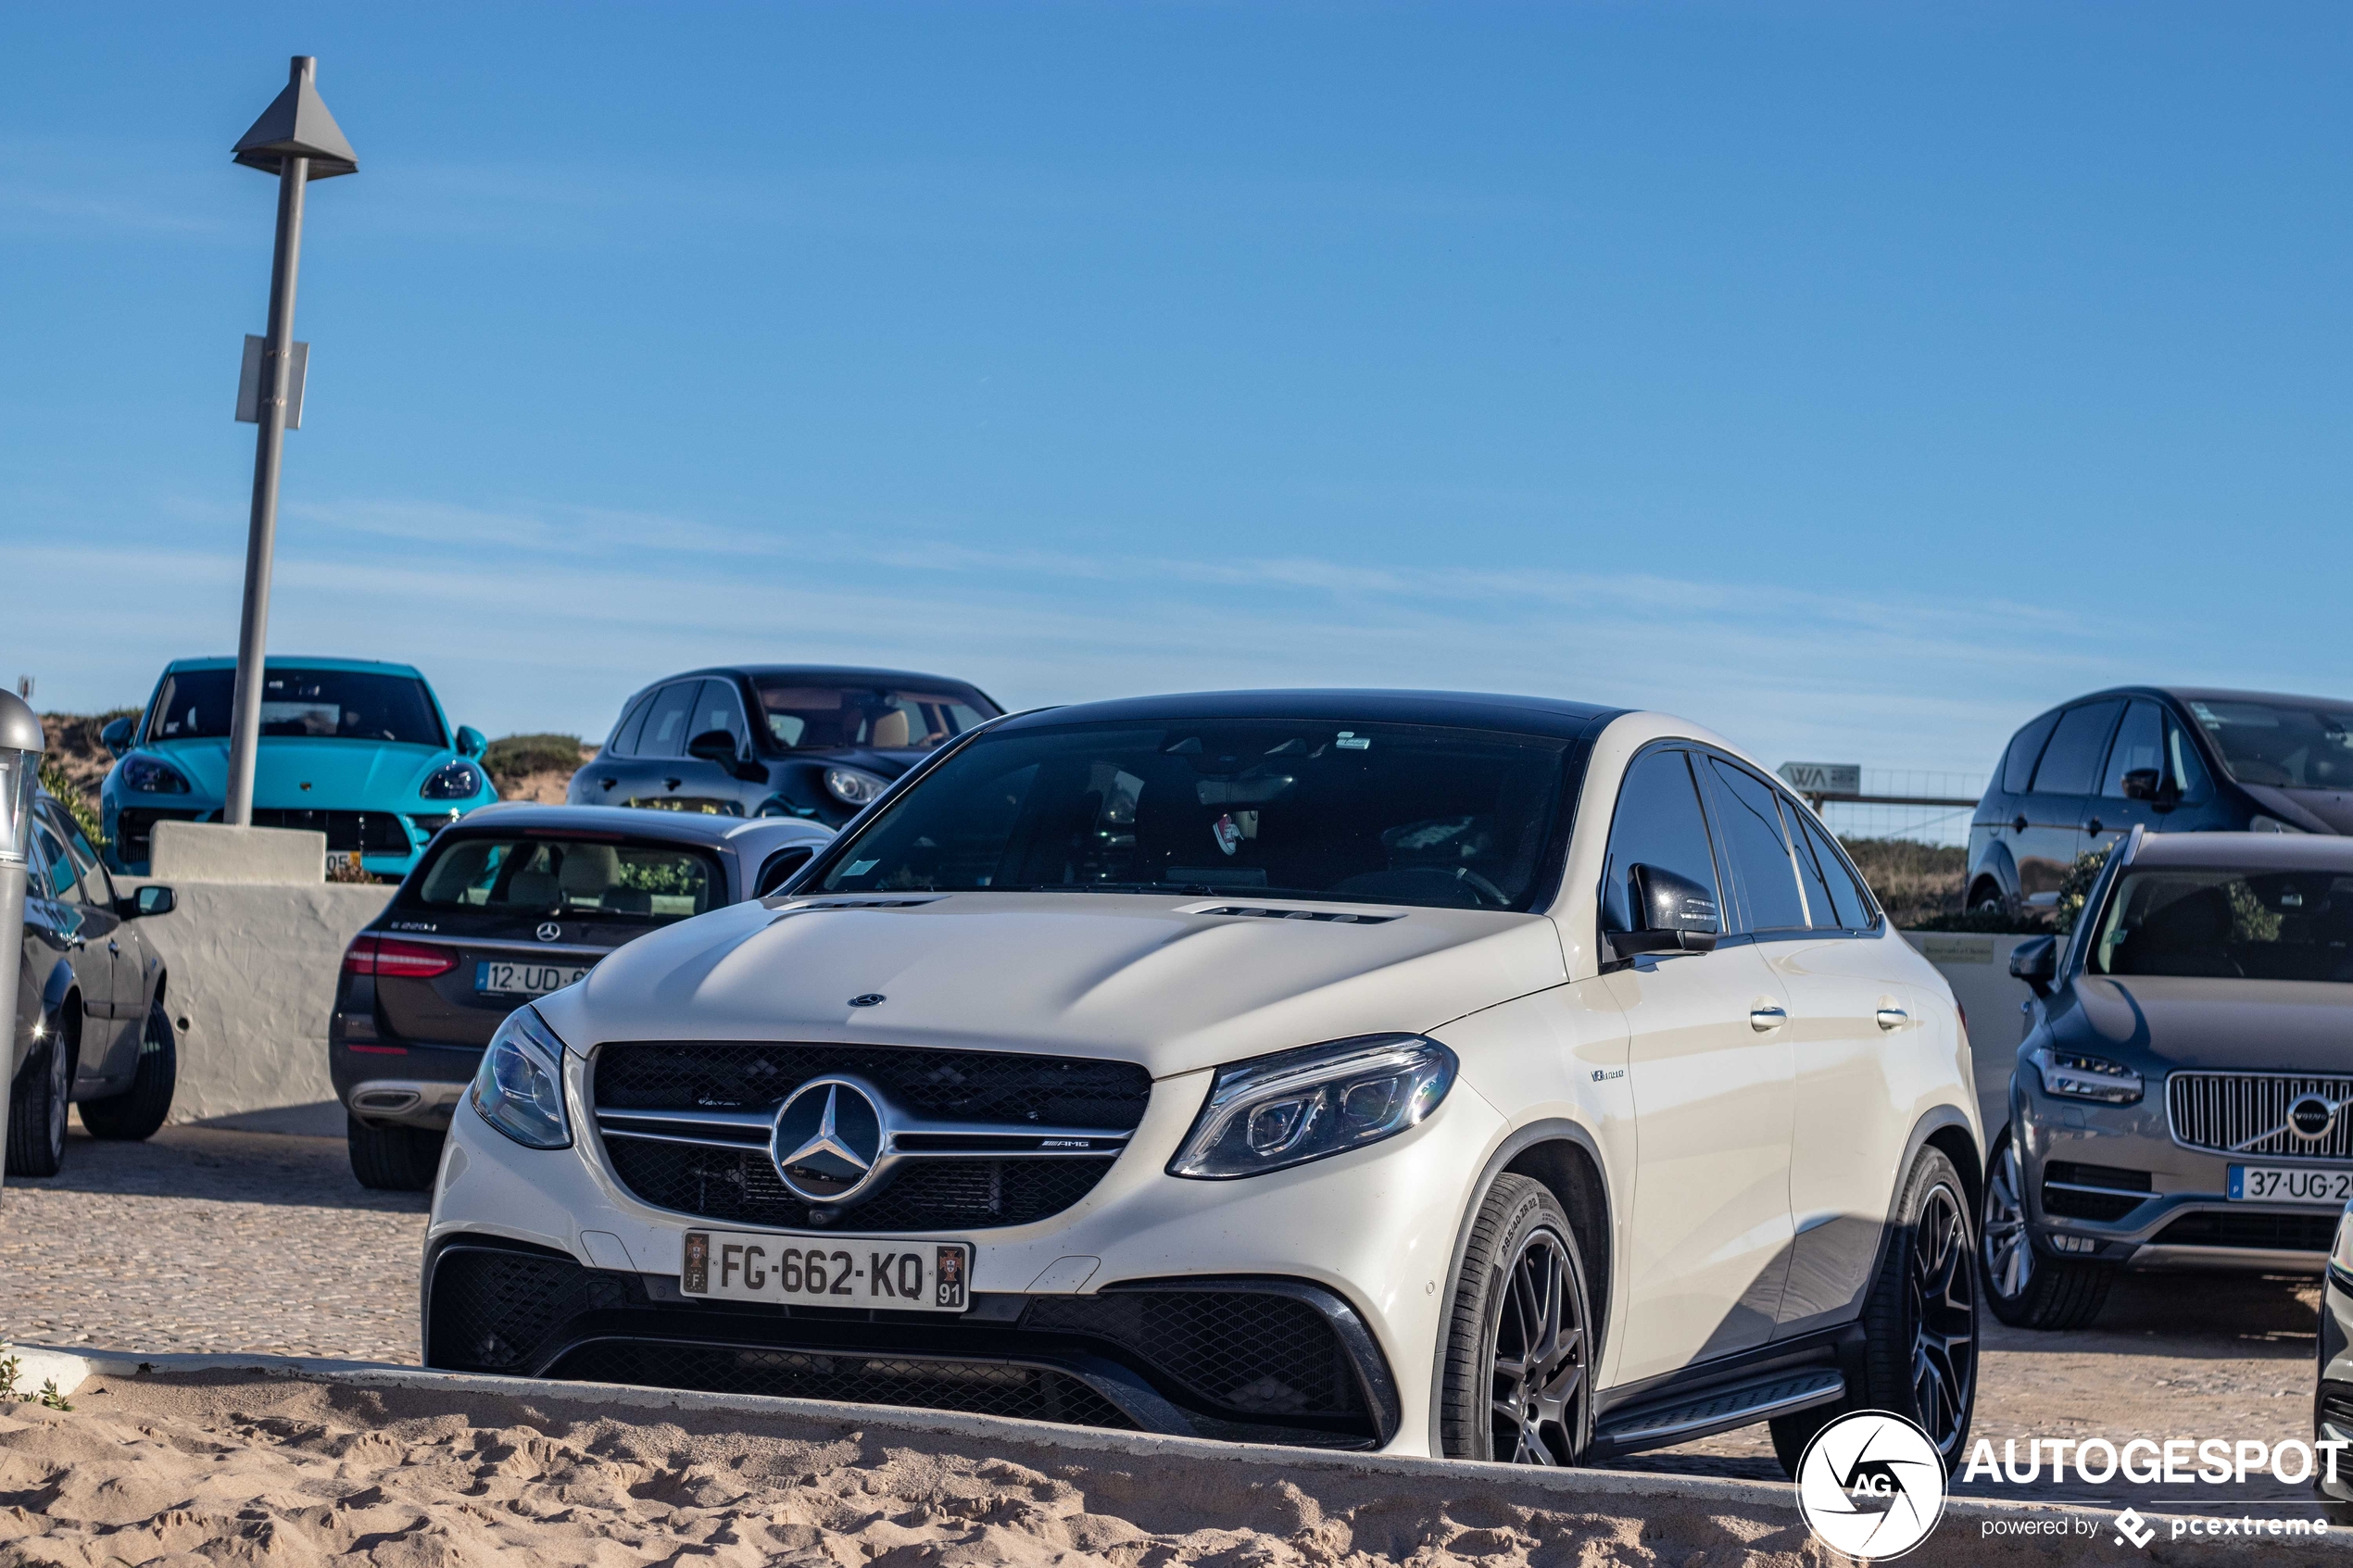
(1478, 710)
(671, 827)
(822, 675)
(2210, 694)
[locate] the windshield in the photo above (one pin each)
(531, 875)
(336, 704)
(2256, 926)
(1369, 813)
(2294, 746)
(805, 718)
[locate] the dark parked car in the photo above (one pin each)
(770, 740)
(91, 1026)
(2183, 1098)
(2167, 758)
(510, 903)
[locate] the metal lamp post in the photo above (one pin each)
(299, 141)
(21, 744)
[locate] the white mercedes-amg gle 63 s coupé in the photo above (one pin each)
(1484, 1076)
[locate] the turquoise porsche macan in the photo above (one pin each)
(353, 748)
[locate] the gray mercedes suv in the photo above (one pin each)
(2182, 1096)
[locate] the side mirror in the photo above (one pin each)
(2140, 783)
(1677, 915)
(2036, 962)
(469, 741)
(148, 900)
(712, 746)
(116, 737)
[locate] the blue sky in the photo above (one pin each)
(1856, 380)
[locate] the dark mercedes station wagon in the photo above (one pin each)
(510, 904)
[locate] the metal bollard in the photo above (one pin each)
(21, 744)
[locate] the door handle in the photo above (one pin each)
(1766, 1017)
(2017, 824)
(1893, 1018)
(113, 946)
(73, 941)
(2095, 825)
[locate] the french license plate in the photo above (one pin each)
(526, 978)
(2285, 1184)
(833, 1271)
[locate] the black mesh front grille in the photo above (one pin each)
(722, 1184)
(1260, 1355)
(496, 1310)
(134, 827)
(375, 833)
(1002, 1087)
(2336, 1404)
(2288, 1232)
(1231, 1361)
(978, 1387)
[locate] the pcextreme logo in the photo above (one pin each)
(1870, 1486)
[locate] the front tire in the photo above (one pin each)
(1920, 1323)
(1518, 1384)
(37, 1108)
(134, 1115)
(393, 1159)
(2021, 1290)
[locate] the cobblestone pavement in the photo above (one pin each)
(201, 1240)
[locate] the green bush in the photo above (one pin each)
(510, 757)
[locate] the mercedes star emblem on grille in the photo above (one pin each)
(550, 931)
(2310, 1117)
(828, 1136)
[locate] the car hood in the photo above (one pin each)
(2333, 808)
(2257, 1025)
(343, 774)
(1152, 980)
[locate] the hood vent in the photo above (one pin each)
(1333, 917)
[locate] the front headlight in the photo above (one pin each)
(2341, 1255)
(151, 775)
(852, 787)
(2076, 1076)
(452, 780)
(519, 1087)
(1285, 1109)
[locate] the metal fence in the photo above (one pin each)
(1928, 823)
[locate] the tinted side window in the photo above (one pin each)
(1751, 818)
(49, 855)
(665, 731)
(2140, 743)
(95, 881)
(718, 708)
(2026, 747)
(2181, 752)
(624, 734)
(2072, 764)
(1658, 823)
(1850, 905)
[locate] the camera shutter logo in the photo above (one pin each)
(1870, 1486)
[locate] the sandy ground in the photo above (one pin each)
(182, 1471)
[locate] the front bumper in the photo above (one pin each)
(1366, 1238)
(2108, 1183)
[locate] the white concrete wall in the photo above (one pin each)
(251, 971)
(1978, 968)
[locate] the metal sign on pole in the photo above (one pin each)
(21, 746)
(299, 141)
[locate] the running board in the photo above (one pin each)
(1678, 1420)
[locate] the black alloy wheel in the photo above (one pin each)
(38, 1102)
(2022, 1289)
(1518, 1385)
(1942, 1300)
